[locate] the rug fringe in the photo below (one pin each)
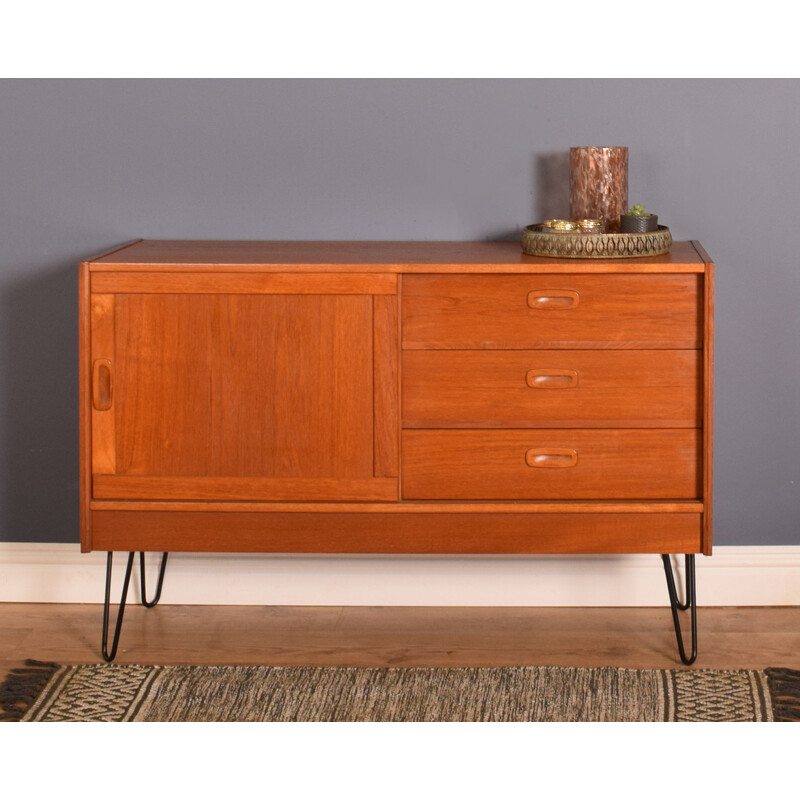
(22, 686)
(784, 686)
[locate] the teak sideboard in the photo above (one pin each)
(395, 397)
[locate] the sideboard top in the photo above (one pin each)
(372, 256)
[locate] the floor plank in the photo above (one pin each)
(729, 638)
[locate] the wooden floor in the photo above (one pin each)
(729, 638)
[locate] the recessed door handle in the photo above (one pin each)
(551, 458)
(551, 378)
(556, 300)
(102, 384)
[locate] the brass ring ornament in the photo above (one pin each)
(561, 224)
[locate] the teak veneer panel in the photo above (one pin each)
(419, 533)
(244, 385)
(544, 388)
(552, 311)
(114, 487)
(708, 395)
(386, 358)
(246, 396)
(382, 257)
(414, 507)
(102, 352)
(242, 283)
(575, 464)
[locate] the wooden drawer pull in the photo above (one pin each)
(551, 458)
(102, 384)
(558, 300)
(552, 378)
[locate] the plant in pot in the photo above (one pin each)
(637, 220)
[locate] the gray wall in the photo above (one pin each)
(88, 164)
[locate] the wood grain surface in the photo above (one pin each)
(643, 638)
(242, 283)
(376, 256)
(414, 532)
(562, 388)
(242, 388)
(613, 311)
(491, 465)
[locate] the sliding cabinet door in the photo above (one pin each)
(243, 387)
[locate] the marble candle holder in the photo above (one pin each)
(598, 184)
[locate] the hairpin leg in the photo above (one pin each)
(150, 603)
(109, 656)
(676, 605)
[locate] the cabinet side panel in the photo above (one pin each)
(84, 405)
(708, 412)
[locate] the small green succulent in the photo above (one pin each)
(638, 211)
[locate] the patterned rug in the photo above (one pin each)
(135, 693)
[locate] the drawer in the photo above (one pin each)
(521, 312)
(555, 464)
(551, 388)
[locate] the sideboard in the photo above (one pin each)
(395, 397)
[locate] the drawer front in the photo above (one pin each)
(519, 312)
(551, 464)
(546, 388)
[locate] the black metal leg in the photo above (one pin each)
(121, 612)
(150, 603)
(109, 656)
(676, 605)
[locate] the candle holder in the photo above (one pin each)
(598, 184)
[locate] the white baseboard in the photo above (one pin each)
(733, 576)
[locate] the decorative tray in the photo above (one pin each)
(540, 240)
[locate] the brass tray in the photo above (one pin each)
(538, 240)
